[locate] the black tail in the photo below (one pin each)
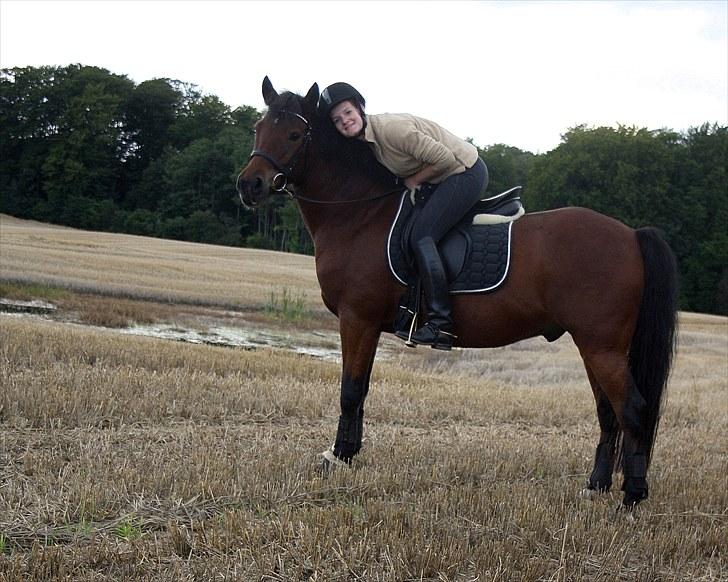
(655, 337)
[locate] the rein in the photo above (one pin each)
(281, 180)
(377, 197)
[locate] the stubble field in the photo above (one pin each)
(133, 458)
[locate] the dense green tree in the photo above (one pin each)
(204, 117)
(149, 184)
(704, 239)
(621, 172)
(139, 221)
(63, 136)
(202, 175)
(152, 109)
(88, 148)
(245, 117)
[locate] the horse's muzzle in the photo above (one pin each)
(252, 190)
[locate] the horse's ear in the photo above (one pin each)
(269, 93)
(311, 98)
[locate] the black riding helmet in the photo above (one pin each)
(335, 94)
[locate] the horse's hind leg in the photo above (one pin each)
(600, 479)
(610, 370)
(635, 449)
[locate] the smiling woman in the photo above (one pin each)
(421, 154)
(347, 119)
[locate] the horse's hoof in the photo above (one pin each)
(331, 461)
(590, 494)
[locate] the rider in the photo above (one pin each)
(418, 151)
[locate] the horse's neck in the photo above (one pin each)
(327, 185)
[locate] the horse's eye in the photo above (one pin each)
(294, 136)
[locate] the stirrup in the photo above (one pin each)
(441, 339)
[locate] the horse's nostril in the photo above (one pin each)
(258, 183)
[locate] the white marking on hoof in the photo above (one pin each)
(589, 494)
(332, 459)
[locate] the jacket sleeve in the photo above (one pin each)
(428, 150)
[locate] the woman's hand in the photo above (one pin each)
(416, 180)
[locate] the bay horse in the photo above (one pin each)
(612, 288)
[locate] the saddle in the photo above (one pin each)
(475, 253)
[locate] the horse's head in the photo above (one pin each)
(281, 140)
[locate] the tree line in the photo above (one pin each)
(84, 147)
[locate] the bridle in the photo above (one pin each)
(280, 181)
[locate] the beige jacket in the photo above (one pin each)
(405, 143)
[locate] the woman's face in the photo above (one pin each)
(347, 119)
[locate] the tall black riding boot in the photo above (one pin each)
(437, 332)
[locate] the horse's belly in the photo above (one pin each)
(486, 322)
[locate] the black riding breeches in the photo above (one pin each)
(449, 202)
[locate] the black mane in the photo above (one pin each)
(286, 101)
(353, 155)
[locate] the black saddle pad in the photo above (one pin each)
(476, 257)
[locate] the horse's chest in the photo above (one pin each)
(332, 274)
(350, 273)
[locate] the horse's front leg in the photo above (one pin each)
(359, 341)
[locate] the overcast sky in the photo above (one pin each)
(519, 73)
